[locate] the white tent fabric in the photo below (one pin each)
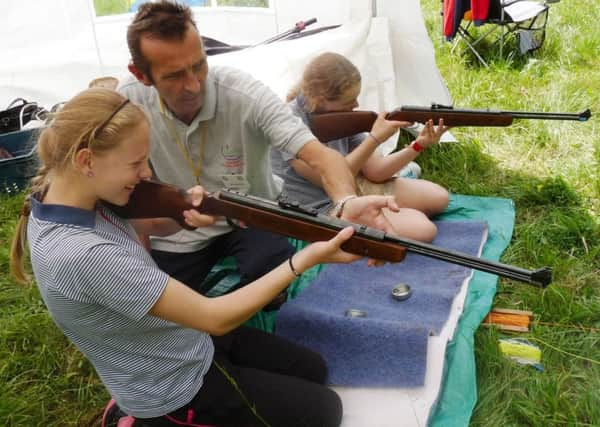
(53, 49)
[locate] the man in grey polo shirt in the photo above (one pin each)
(214, 128)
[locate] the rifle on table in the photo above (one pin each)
(329, 126)
(152, 199)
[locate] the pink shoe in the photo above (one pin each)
(114, 417)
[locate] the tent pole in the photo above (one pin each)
(92, 13)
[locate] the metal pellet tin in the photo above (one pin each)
(401, 292)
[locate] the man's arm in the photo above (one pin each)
(338, 182)
(305, 171)
(287, 132)
(336, 177)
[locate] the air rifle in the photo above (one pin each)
(329, 126)
(151, 199)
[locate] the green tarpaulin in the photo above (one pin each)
(458, 394)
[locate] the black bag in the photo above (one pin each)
(16, 116)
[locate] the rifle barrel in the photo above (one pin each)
(582, 117)
(541, 277)
(334, 125)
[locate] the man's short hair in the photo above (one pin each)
(163, 20)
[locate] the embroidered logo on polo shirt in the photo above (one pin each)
(233, 159)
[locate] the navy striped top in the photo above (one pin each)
(99, 284)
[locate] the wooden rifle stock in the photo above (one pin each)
(151, 199)
(156, 200)
(329, 126)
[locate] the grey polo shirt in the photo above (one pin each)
(243, 119)
(99, 284)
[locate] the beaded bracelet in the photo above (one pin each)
(338, 208)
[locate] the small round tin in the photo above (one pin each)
(401, 292)
(353, 312)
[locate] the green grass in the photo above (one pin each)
(116, 7)
(549, 169)
(111, 7)
(44, 380)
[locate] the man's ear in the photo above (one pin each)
(142, 78)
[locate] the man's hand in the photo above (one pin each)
(367, 210)
(192, 217)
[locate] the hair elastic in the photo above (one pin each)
(292, 267)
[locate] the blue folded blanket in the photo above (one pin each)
(388, 347)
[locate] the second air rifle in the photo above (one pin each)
(151, 199)
(329, 126)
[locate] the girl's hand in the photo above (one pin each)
(329, 251)
(430, 135)
(192, 217)
(382, 129)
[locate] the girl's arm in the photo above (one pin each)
(381, 131)
(217, 316)
(380, 168)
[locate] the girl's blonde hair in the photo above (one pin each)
(95, 119)
(327, 76)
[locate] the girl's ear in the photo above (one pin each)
(82, 161)
(316, 103)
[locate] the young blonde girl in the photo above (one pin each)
(330, 82)
(167, 355)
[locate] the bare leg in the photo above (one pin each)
(412, 224)
(418, 199)
(425, 196)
